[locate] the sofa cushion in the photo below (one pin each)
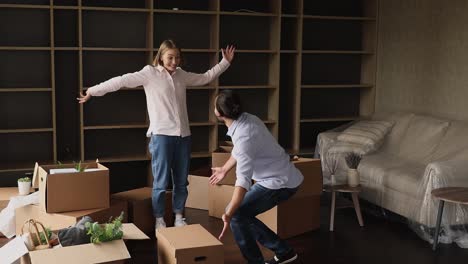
(406, 178)
(369, 133)
(393, 140)
(453, 144)
(422, 138)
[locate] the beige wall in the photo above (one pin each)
(423, 57)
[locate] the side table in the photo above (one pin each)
(344, 188)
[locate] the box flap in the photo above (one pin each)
(197, 192)
(87, 253)
(13, 250)
(134, 195)
(131, 232)
(179, 240)
(35, 179)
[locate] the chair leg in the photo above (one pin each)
(357, 208)
(332, 214)
(439, 220)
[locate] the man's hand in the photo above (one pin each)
(226, 221)
(218, 175)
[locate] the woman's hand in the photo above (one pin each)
(218, 175)
(83, 98)
(228, 53)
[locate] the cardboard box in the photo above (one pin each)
(198, 192)
(86, 253)
(219, 197)
(176, 247)
(313, 180)
(218, 158)
(64, 192)
(140, 208)
(294, 216)
(56, 221)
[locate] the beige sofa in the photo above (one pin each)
(419, 154)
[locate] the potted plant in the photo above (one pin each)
(352, 160)
(24, 186)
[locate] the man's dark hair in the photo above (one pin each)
(228, 104)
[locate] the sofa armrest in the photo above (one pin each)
(448, 173)
(324, 142)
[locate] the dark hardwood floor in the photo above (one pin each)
(381, 240)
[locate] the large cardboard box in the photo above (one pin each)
(64, 192)
(56, 221)
(189, 244)
(219, 197)
(218, 158)
(87, 253)
(140, 208)
(294, 216)
(198, 192)
(311, 169)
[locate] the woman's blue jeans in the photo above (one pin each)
(247, 229)
(170, 157)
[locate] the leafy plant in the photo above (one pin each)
(24, 179)
(352, 160)
(107, 232)
(42, 237)
(78, 167)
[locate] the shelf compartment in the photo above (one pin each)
(330, 103)
(310, 131)
(31, 27)
(117, 30)
(65, 2)
(290, 7)
(257, 37)
(346, 8)
(25, 110)
(26, 2)
(197, 62)
(248, 6)
(249, 69)
(117, 108)
(332, 35)
(66, 107)
(200, 139)
(334, 86)
(331, 69)
(99, 66)
(65, 28)
(287, 105)
(196, 101)
(289, 30)
(116, 3)
(115, 143)
(124, 176)
(22, 150)
(13, 67)
(185, 37)
(183, 5)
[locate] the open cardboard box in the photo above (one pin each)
(56, 221)
(64, 192)
(86, 253)
(198, 189)
(311, 169)
(218, 158)
(188, 244)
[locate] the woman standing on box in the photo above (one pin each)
(258, 157)
(165, 87)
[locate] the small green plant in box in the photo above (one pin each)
(107, 232)
(24, 179)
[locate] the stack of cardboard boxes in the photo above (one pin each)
(65, 196)
(293, 217)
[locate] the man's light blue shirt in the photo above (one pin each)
(260, 157)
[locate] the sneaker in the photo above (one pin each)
(160, 223)
(287, 258)
(180, 222)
